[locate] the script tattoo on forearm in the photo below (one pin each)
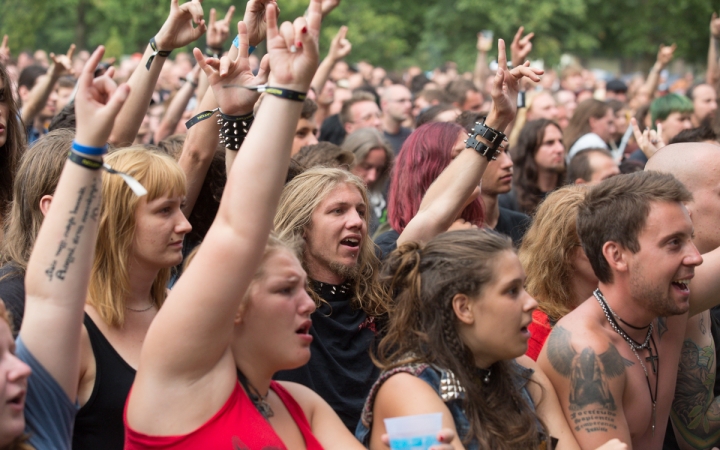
(695, 413)
(59, 266)
(592, 404)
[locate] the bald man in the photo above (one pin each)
(396, 104)
(697, 166)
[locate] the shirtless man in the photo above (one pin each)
(638, 237)
(696, 165)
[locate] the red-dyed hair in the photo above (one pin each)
(424, 155)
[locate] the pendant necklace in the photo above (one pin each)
(653, 359)
(260, 401)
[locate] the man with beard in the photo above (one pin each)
(705, 105)
(638, 237)
(696, 407)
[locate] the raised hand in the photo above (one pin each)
(665, 54)
(339, 46)
(506, 85)
(62, 64)
(293, 48)
(484, 44)
(520, 47)
(178, 30)
(97, 103)
(649, 141)
(4, 50)
(219, 30)
(234, 101)
(328, 6)
(715, 26)
(255, 20)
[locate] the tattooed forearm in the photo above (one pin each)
(593, 420)
(91, 210)
(695, 413)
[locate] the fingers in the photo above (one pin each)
(287, 31)
(243, 40)
(636, 130)
(118, 98)
(263, 71)
(71, 51)
(110, 73)
(213, 15)
(5, 41)
(659, 133)
(673, 47)
(502, 57)
(229, 14)
(300, 27)
(519, 33)
(88, 72)
(526, 71)
(314, 17)
(200, 58)
(341, 33)
(271, 14)
(194, 8)
(526, 40)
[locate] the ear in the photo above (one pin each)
(614, 254)
(580, 181)
(461, 304)
(45, 202)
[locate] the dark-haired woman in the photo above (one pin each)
(12, 140)
(459, 321)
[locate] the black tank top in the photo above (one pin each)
(99, 424)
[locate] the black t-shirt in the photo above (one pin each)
(12, 292)
(340, 369)
(397, 140)
(513, 224)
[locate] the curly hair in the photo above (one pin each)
(423, 329)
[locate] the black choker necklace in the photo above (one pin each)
(329, 292)
(260, 401)
(653, 359)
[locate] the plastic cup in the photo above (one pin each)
(413, 432)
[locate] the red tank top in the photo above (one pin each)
(236, 426)
(539, 331)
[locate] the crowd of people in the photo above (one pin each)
(229, 250)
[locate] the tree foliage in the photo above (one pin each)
(395, 33)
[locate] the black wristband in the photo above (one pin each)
(156, 52)
(84, 162)
(194, 83)
(200, 117)
(234, 129)
(285, 93)
(492, 135)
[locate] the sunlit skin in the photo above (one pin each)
(494, 325)
(335, 235)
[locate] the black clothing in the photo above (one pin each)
(509, 201)
(340, 369)
(332, 130)
(510, 223)
(99, 424)
(397, 140)
(638, 155)
(12, 292)
(513, 224)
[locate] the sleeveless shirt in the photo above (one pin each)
(236, 426)
(99, 423)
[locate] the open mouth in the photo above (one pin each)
(682, 285)
(18, 400)
(305, 328)
(351, 242)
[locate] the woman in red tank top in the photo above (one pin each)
(241, 312)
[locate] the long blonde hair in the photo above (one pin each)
(109, 282)
(547, 251)
(299, 200)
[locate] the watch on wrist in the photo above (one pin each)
(493, 136)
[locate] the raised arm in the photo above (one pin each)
(61, 65)
(202, 139)
(705, 287)
(521, 47)
(481, 72)
(340, 47)
(449, 193)
(713, 71)
(177, 106)
(58, 272)
(176, 32)
(664, 56)
(594, 411)
(234, 245)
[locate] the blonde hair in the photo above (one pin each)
(299, 200)
(547, 251)
(109, 281)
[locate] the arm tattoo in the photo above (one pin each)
(695, 413)
(592, 404)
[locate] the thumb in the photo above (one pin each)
(118, 99)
